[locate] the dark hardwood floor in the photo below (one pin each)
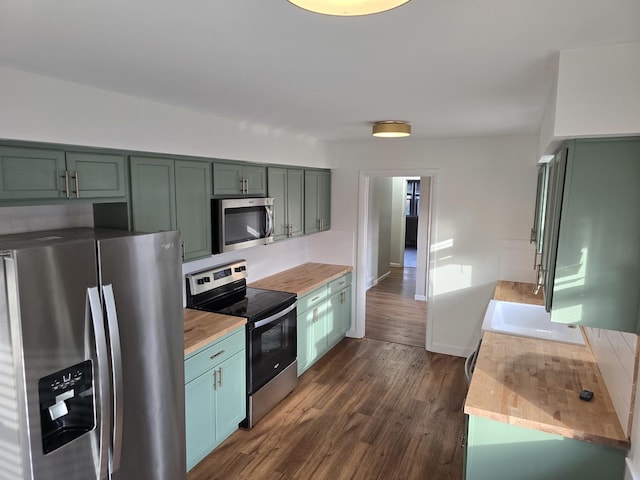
(392, 313)
(367, 410)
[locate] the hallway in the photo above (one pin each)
(392, 313)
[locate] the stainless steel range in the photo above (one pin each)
(271, 331)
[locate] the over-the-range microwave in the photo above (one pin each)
(240, 223)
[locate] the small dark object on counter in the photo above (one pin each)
(586, 395)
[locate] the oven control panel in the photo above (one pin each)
(205, 280)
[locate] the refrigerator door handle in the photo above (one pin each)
(93, 309)
(116, 368)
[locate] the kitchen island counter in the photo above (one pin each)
(303, 278)
(536, 384)
(202, 328)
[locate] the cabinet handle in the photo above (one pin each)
(220, 377)
(76, 177)
(66, 183)
(343, 297)
(182, 246)
(246, 181)
(315, 298)
(315, 315)
(532, 238)
(217, 354)
(215, 379)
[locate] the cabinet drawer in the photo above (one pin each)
(312, 299)
(214, 354)
(339, 283)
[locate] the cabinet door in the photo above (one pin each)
(153, 198)
(597, 268)
(338, 316)
(193, 207)
(200, 417)
(324, 200)
(227, 179)
(31, 173)
(311, 207)
(256, 178)
(537, 231)
(552, 223)
(278, 191)
(295, 201)
(230, 396)
(312, 336)
(96, 175)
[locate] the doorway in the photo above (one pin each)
(403, 291)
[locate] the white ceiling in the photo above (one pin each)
(450, 67)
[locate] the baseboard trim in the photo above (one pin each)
(393, 264)
(422, 298)
(449, 350)
(631, 472)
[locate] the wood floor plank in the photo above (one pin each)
(392, 313)
(367, 410)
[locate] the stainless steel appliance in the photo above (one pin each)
(241, 222)
(91, 356)
(271, 331)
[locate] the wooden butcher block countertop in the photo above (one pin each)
(536, 384)
(201, 328)
(517, 292)
(303, 278)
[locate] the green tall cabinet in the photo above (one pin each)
(169, 194)
(592, 234)
(317, 200)
(286, 187)
(39, 173)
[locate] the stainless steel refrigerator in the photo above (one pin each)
(91, 356)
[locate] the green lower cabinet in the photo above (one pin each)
(324, 317)
(312, 336)
(215, 400)
(339, 316)
(500, 451)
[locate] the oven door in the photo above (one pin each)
(272, 345)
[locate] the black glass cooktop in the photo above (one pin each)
(252, 303)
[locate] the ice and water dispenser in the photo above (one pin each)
(67, 408)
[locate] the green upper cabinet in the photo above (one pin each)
(317, 200)
(35, 173)
(591, 261)
(234, 179)
(96, 175)
(286, 186)
(193, 207)
(171, 194)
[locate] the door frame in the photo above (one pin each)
(426, 264)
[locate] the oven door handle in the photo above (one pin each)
(275, 316)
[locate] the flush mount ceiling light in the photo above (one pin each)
(348, 8)
(391, 128)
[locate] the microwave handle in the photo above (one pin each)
(269, 216)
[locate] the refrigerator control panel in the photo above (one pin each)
(67, 406)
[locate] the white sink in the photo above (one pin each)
(525, 320)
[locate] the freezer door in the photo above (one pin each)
(141, 278)
(54, 361)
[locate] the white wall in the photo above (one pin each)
(596, 95)
(483, 191)
(44, 109)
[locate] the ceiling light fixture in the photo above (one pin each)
(348, 8)
(391, 129)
